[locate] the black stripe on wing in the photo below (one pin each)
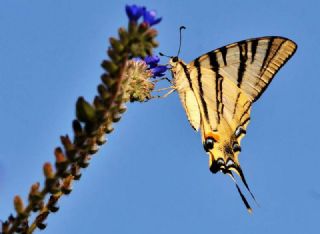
(246, 109)
(263, 66)
(254, 44)
(203, 101)
(219, 93)
(235, 105)
(187, 74)
(224, 52)
(243, 56)
(219, 99)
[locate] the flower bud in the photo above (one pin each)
(116, 45)
(18, 205)
(48, 170)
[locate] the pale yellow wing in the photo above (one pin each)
(220, 102)
(249, 64)
(191, 107)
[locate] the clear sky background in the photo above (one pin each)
(152, 176)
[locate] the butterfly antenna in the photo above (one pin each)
(245, 202)
(161, 54)
(180, 39)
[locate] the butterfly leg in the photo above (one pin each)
(162, 89)
(172, 89)
(163, 78)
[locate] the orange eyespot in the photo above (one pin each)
(213, 135)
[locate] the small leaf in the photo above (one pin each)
(77, 128)
(114, 55)
(111, 67)
(123, 34)
(103, 92)
(84, 111)
(116, 45)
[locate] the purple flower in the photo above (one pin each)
(159, 70)
(134, 12)
(152, 60)
(149, 17)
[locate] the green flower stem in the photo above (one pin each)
(92, 123)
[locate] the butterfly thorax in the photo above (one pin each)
(178, 70)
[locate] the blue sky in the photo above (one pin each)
(152, 176)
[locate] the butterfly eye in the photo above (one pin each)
(208, 144)
(175, 59)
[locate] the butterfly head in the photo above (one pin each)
(175, 64)
(174, 61)
(177, 67)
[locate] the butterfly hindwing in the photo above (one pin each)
(191, 107)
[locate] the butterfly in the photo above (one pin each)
(217, 91)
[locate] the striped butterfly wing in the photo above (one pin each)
(250, 64)
(224, 83)
(236, 75)
(223, 106)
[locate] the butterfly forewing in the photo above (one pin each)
(250, 64)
